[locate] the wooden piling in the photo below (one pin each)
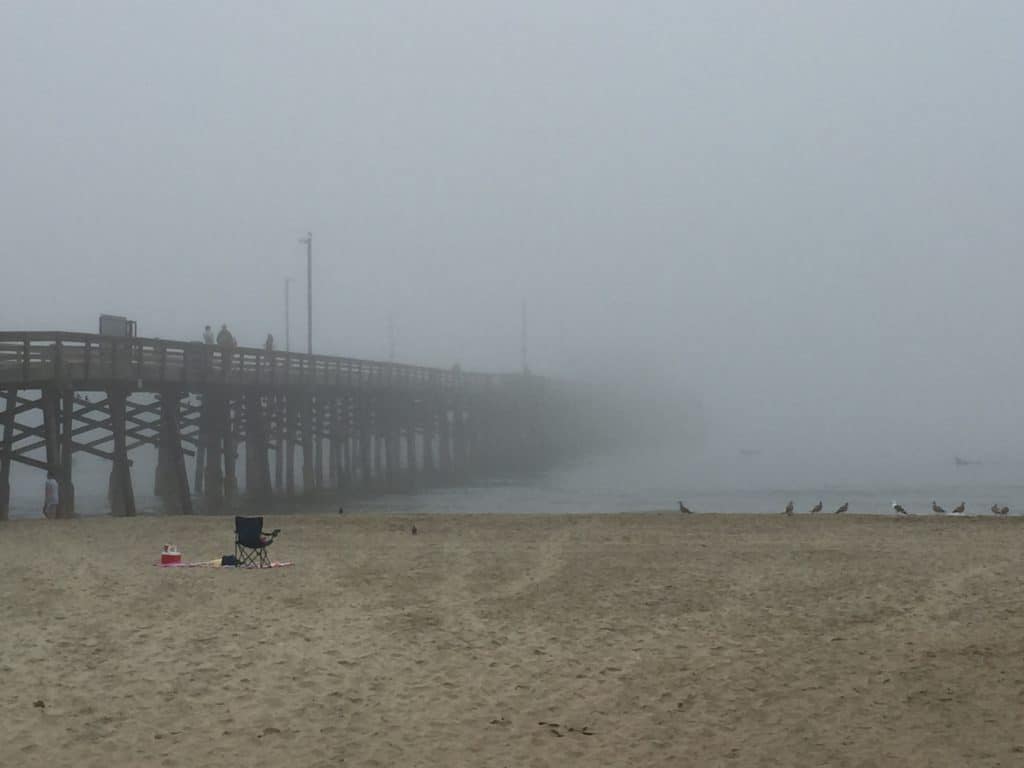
(257, 470)
(67, 486)
(122, 496)
(279, 445)
(214, 474)
(444, 443)
(10, 403)
(200, 461)
(307, 445)
(175, 482)
(317, 427)
(230, 452)
(289, 439)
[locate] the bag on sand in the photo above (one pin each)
(228, 560)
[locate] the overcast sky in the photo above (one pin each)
(804, 216)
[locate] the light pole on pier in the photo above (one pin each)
(308, 241)
(526, 367)
(287, 317)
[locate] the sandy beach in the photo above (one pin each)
(648, 639)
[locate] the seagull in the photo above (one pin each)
(685, 509)
(789, 509)
(816, 508)
(413, 530)
(898, 509)
(994, 509)
(959, 509)
(937, 509)
(1004, 511)
(843, 508)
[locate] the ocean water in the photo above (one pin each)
(635, 482)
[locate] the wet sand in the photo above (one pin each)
(651, 639)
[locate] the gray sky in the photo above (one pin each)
(804, 216)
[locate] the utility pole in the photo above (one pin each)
(308, 241)
(526, 368)
(287, 317)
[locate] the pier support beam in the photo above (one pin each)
(163, 478)
(333, 444)
(10, 402)
(174, 474)
(279, 442)
(67, 487)
(201, 438)
(429, 465)
(410, 444)
(444, 443)
(122, 496)
(366, 443)
(257, 468)
(307, 445)
(459, 439)
(289, 440)
(214, 477)
(317, 424)
(230, 453)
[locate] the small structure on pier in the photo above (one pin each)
(357, 424)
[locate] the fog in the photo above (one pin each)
(797, 223)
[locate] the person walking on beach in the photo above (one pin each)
(51, 497)
(207, 335)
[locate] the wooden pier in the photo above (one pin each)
(347, 425)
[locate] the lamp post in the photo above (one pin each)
(308, 241)
(287, 317)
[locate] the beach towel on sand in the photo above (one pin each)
(219, 564)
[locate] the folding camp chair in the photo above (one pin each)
(251, 542)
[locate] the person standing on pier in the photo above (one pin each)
(224, 338)
(268, 345)
(51, 497)
(226, 342)
(208, 336)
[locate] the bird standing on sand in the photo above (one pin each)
(845, 506)
(1004, 511)
(898, 509)
(937, 509)
(789, 509)
(684, 509)
(959, 509)
(817, 508)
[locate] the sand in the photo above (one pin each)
(651, 639)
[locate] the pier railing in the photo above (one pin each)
(34, 358)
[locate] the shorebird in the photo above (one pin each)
(685, 509)
(898, 509)
(1004, 511)
(997, 510)
(959, 509)
(816, 508)
(789, 509)
(843, 508)
(937, 509)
